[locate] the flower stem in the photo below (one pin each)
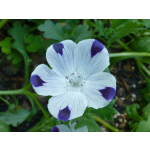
(36, 101)
(27, 61)
(135, 54)
(3, 22)
(12, 92)
(145, 69)
(105, 124)
(132, 54)
(140, 65)
(123, 45)
(85, 21)
(4, 100)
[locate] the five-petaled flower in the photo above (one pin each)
(64, 128)
(77, 79)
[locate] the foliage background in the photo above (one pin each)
(23, 39)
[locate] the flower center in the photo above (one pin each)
(75, 82)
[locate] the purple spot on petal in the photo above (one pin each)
(58, 48)
(36, 81)
(64, 114)
(108, 93)
(55, 129)
(96, 48)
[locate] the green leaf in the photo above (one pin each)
(106, 32)
(11, 107)
(14, 118)
(107, 70)
(132, 124)
(87, 120)
(124, 30)
(146, 109)
(146, 23)
(117, 22)
(132, 112)
(18, 33)
(4, 127)
(146, 92)
(52, 31)
(15, 56)
(81, 33)
(42, 125)
(106, 112)
(6, 45)
(100, 28)
(141, 44)
(28, 39)
(147, 97)
(34, 43)
(71, 23)
(144, 126)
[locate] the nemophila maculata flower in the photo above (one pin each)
(64, 128)
(77, 79)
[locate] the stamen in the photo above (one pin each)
(75, 82)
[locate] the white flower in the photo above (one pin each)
(77, 79)
(63, 128)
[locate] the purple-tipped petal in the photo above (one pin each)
(60, 57)
(55, 129)
(36, 81)
(46, 82)
(64, 114)
(108, 93)
(90, 57)
(96, 48)
(58, 48)
(67, 106)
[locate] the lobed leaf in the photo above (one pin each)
(87, 120)
(144, 126)
(15, 56)
(14, 118)
(18, 33)
(52, 31)
(146, 22)
(123, 30)
(106, 112)
(6, 45)
(81, 33)
(34, 43)
(118, 22)
(4, 127)
(100, 28)
(141, 44)
(132, 112)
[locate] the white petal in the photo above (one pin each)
(67, 106)
(60, 57)
(63, 128)
(83, 129)
(46, 82)
(99, 89)
(90, 56)
(95, 99)
(101, 80)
